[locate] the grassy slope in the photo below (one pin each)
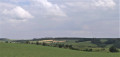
(85, 44)
(26, 50)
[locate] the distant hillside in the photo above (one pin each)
(4, 39)
(70, 38)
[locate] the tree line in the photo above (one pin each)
(68, 46)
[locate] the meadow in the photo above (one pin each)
(31, 50)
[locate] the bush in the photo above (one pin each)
(117, 44)
(27, 42)
(37, 43)
(89, 50)
(61, 45)
(113, 49)
(44, 44)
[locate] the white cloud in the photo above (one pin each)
(17, 13)
(93, 4)
(50, 8)
(83, 16)
(78, 4)
(105, 3)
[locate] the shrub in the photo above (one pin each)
(113, 49)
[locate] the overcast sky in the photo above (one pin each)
(26, 19)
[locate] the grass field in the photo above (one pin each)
(26, 50)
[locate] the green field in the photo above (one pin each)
(28, 50)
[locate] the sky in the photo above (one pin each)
(27, 19)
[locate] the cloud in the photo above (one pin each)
(78, 4)
(105, 3)
(17, 13)
(58, 18)
(92, 4)
(50, 8)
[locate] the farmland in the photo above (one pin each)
(28, 50)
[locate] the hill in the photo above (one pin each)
(28, 50)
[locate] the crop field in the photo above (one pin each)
(28, 50)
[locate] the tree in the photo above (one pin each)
(6, 41)
(27, 42)
(117, 44)
(95, 41)
(66, 46)
(113, 49)
(90, 50)
(37, 43)
(110, 41)
(61, 45)
(70, 46)
(44, 44)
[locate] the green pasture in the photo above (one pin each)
(29, 50)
